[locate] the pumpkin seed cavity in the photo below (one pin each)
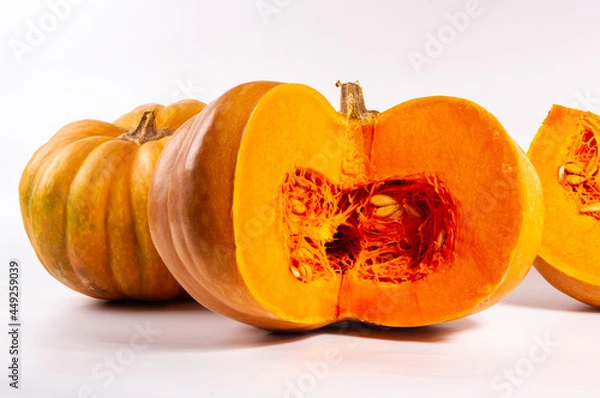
(392, 231)
(578, 173)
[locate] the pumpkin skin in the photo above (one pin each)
(266, 208)
(565, 154)
(83, 198)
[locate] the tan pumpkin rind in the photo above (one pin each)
(565, 154)
(84, 203)
(276, 210)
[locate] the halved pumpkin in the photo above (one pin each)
(565, 154)
(276, 210)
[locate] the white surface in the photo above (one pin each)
(102, 58)
(75, 344)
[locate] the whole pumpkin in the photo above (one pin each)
(83, 198)
(278, 211)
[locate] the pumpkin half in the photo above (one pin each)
(84, 202)
(565, 154)
(274, 209)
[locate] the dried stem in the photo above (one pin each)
(352, 101)
(146, 130)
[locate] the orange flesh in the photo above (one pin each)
(310, 245)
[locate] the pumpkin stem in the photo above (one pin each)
(146, 130)
(352, 101)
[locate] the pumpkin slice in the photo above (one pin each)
(276, 210)
(84, 202)
(565, 154)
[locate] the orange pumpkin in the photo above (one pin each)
(84, 196)
(274, 209)
(565, 153)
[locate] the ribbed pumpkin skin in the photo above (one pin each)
(219, 211)
(83, 198)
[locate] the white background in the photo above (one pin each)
(99, 59)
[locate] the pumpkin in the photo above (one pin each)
(565, 154)
(84, 200)
(272, 208)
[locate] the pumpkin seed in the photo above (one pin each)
(304, 253)
(295, 272)
(386, 211)
(561, 173)
(397, 213)
(592, 207)
(305, 271)
(573, 168)
(412, 210)
(298, 207)
(590, 167)
(573, 179)
(380, 227)
(439, 241)
(380, 200)
(302, 186)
